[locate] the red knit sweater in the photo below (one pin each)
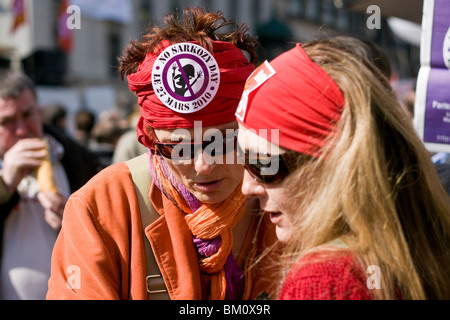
(329, 276)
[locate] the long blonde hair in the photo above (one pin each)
(374, 187)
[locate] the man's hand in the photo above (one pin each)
(54, 205)
(24, 157)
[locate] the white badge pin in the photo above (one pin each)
(186, 77)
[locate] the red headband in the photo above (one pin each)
(295, 96)
(188, 64)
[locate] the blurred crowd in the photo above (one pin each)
(111, 135)
(33, 199)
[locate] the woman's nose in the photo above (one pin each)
(203, 163)
(252, 188)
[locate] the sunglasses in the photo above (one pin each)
(267, 169)
(184, 151)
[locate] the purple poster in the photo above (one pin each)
(433, 85)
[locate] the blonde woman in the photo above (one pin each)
(354, 196)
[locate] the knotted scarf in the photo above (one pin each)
(211, 226)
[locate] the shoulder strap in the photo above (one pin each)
(140, 172)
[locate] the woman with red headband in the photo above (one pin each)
(343, 176)
(202, 235)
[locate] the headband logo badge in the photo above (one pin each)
(256, 80)
(186, 77)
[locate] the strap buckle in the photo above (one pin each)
(157, 282)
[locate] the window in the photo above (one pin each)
(297, 8)
(312, 9)
(328, 12)
(114, 44)
(342, 20)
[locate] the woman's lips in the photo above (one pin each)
(275, 217)
(209, 186)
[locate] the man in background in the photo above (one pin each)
(30, 219)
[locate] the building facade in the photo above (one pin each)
(106, 27)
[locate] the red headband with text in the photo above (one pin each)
(183, 83)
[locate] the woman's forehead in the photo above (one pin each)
(250, 140)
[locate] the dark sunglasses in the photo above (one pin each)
(267, 169)
(188, 150)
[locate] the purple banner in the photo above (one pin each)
(433, 85)
(437, 115)
(441, 24)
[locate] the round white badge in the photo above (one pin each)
(186, 77)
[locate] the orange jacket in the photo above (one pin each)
(100, 251)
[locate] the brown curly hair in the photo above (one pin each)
(193, 25)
